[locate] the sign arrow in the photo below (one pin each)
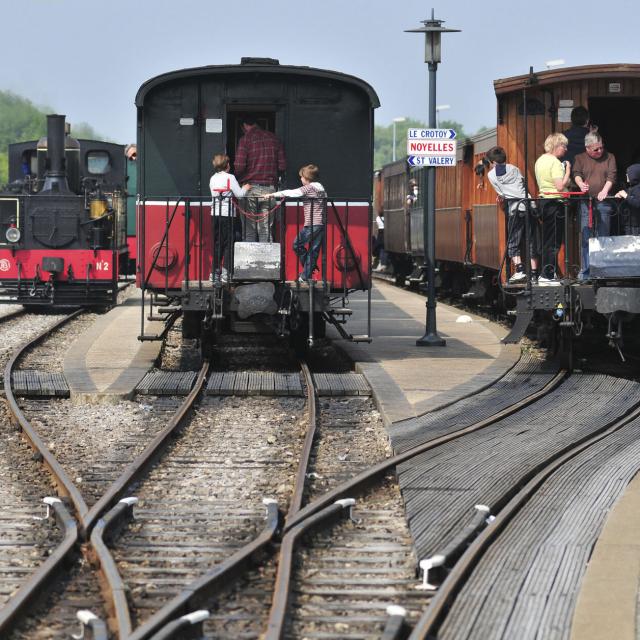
(452, 134)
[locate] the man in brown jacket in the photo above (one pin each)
(594, 171)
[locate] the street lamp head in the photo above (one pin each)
(443, 107)
(399, 119)
(433, 31)
(550, 64)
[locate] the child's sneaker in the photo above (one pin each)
(518, 276)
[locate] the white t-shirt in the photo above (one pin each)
(223, 185)
(380, 223)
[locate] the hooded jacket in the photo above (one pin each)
(509, 186)
(633, 192)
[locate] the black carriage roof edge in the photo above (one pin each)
(272, 67)
(564, 74)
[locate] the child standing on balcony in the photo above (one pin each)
(308, 242)
(223, 185)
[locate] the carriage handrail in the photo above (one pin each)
(348, 245)
(164, 237)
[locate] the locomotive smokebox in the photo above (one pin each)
(55, 178)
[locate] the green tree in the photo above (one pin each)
(383, 138)
(21, 120)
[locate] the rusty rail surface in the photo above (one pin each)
(316, 513)
(63, 483)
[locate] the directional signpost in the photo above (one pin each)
(432, 147)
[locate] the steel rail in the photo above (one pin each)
(361, 481)
(33, 587)
(278, 614)
(98, 523)
(435, 613)
(12, 315)
(105, 527)
(195, 595)
(297, 523)
(98, 514)
(207, 585)
(63, 483)
(147, 457)
(305, 454)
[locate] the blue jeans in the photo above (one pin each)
(601, 221)
(308, 254)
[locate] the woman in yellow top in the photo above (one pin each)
(552, 176)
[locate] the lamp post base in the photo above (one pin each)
(431, 340)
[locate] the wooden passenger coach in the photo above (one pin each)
(471, 229)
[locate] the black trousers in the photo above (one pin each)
(552, 235)
(223, 236)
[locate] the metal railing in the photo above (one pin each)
(537, 229)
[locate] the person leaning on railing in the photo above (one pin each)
(308, 242)
(552, 176)
(594, 171)
(508, 183)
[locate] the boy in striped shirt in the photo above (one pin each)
(308, 242)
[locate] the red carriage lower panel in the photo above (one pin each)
(70, 265)
(348, 242)
(162, 256)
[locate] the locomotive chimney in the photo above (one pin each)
(55, 177)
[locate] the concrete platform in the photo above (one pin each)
(607, 605)
(106, 362)
(408, 380)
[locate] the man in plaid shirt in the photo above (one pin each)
(259, 160)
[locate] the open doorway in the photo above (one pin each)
(265, 118)
(619, 126)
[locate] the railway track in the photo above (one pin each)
(521, 576)
(80, 587)
(241, 610)
(197, 537)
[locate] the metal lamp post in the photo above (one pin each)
(395, 121)
(433, 31)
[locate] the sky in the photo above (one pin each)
(87, 59)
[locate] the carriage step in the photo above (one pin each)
(361, 338)
(342, 311)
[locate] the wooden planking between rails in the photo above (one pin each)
(341, 384)
(166, 383)
(40, 384)
(254, 383)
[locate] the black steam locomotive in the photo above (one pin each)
(63, 221)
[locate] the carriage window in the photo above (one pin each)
(98, 162)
